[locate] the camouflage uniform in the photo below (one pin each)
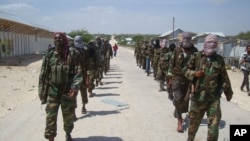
(207, 92)
(180, 83)
(144, 54)
(206, 69)
(149, 56)
(140, 54)
(156, 58)
(136, 53)
(108, 54)
(167, 59)
(78, 44)
(162, 68)
(92, 66)
(56, 79)
(100, 61)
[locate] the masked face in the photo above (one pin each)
(59, 41)
(186, 42)
(78, 42)
(210, 45)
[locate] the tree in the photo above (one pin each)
(244, 35)
(84, 33)
(138, 38)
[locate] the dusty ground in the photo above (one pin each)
(19, 79)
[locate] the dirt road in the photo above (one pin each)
(128, 107)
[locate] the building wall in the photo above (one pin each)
(15, 44)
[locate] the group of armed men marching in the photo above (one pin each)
(189, 75)
(66, 69)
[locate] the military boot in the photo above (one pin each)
(91, 94)
(96, 83)
(84, 111)
(179, 126)
(68, 137)
(161, 86)
(75, 118)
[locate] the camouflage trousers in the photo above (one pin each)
(99, 73)
(106, 65)
(91, 74)
(179, 88)
(84, 94)
(67, 104)
(196, 113)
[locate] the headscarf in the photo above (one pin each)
(210, 44)
(186, 40)
(157, 43)
(164, 43)
(78, 42)
(64, 48)
(172, 46)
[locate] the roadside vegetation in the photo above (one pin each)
(136, 38)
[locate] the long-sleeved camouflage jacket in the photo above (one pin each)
(215, 79)
(60, 74)
(179, 59)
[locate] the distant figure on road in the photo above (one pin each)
(59, 82)
(115, 48)
(245, 68)
(210, 79)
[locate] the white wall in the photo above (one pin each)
(22, 44)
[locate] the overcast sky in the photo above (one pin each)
(134, 16)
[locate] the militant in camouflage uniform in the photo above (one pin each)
(167, 59)
(137, 54)
(144, 54)
(156, 57)
(92, 67)
(59, 81)
(108, 52)
(79, 45)
(162, 68)
(207, 71)
(100, 61)
(179, 82)
(149, 55)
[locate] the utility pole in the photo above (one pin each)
(173, 29)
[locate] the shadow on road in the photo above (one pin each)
(98, 138)
(99, 113)
(203, 123)
(221, 126)
(105, 94)
(106, 88)
(111, 77)
(114, 74)
(119, 82)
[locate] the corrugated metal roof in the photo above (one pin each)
(13, 18)
(168, 32)
(206, 33)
